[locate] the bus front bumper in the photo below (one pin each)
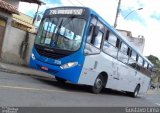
(71, 74)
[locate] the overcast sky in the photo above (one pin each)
(144, 22)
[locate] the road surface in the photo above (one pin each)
(31, 91)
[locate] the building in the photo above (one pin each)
(6, 11)
(138, 42)
(23, 22)
(11, 38)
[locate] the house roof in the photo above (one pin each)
(8, 7)
(39, 2)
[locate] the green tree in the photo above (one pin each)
(154, 60)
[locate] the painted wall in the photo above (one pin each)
(24, 20)
(11, 49)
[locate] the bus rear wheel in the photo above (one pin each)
(135, 93)
(98, 85)
(60, 80)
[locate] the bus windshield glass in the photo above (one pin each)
(63, 33)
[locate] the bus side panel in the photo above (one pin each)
(144, 82)
(89, 74)
(127, 78)
(94, 65)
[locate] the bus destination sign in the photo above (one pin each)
(66, 11)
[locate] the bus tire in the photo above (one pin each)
(98, 85)
(136, 91)
(60, 80)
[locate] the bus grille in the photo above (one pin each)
(50, 55)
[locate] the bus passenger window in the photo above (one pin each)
(140, 61)
(109, 45)
(98, 40)
(150, 68)
(122, 54)
(145, 65)
(90, 34)
(132, 60)
(90, 29)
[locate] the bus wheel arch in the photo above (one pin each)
(136, 91)
(100, 83)
(105, 78)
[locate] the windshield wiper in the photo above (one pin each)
(62, 23)
(55, 35)
(68, 20)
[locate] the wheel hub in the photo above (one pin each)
(98, 83)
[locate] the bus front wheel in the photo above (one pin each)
(98, 85)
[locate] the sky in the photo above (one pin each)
(145, 22)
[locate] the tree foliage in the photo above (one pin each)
(154, 60)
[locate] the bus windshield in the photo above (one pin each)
(63, 33)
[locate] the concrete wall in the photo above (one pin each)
(11, 49)
(8, 18)
(13, 2)
(12, 40)
(29, 51)
(138, 42)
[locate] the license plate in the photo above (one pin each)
(44, 68)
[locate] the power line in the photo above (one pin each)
(77, 1)
(71, 2)
(80, 2)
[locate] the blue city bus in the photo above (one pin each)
(75, 44)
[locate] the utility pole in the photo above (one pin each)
(35, 16)
(118, 9)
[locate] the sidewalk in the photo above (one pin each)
(10, 68)
(153, 91)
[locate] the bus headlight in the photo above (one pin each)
(69, 65)
(33, 57)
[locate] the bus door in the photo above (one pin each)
(92, 51)
(123, 69)
(110, 47)
(133, 72)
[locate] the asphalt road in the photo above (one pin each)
(31, 91)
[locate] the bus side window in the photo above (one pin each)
(122, 54)
(94, 42)
(110, 45)
(146, 71)
(139, 63)
(132, 60)
(98, 38)
(149, 67)
(90, 29)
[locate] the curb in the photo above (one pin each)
(5, 69)
(151, 92)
